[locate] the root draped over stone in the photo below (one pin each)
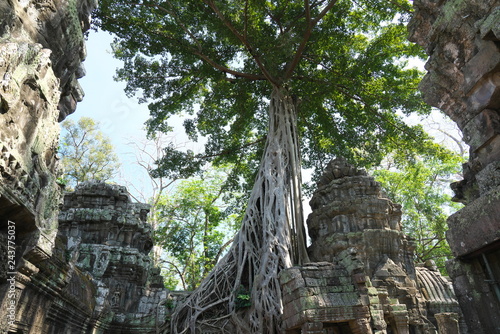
(242, 293)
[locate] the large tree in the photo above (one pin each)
(262, 79)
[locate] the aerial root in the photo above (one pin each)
(262, 248)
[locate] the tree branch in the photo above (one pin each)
(310, 23)
(231, 150)
(243, 40)
(181, 275)
(228, 70)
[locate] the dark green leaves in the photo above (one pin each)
(215, 62)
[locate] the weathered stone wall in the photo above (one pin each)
(99, 278)
(107, 237)
(41, 50)
(364, 280)
(462, 39)
(88, 270)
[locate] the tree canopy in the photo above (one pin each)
(87, 154)
(216, 63)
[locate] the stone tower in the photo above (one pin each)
(107, 238)
(364, 279)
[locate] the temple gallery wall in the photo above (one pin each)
(78, 262)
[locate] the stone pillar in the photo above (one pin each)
(447, 323)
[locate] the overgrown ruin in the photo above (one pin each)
(363, 278)
(79, 263)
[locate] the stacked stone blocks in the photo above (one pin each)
(364, 280)
(462, 40)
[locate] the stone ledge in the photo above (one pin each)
(476, 225)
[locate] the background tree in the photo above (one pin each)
(194, 228)
(87, 154)
(250, 66)
(163, 194)
(421, 186)
(151, 190)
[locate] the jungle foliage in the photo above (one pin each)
(195, 227)
(421, 186)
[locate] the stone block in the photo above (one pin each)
(290, 274)
(485, 95)
(476, 225)
(489, 177)
(490, 152)
(360, 278)
(293, 285)
(312, 326)
(448, 323)
(481, 129)
(484, 62)
(343, 299)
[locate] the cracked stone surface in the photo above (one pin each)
(462, 39)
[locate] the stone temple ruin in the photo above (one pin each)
(80, 262)
(100, 278)
(462, 39)
(87, 271)
(108, 238)
(364, 280)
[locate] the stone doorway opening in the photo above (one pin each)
(337, 328)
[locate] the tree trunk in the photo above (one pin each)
(242, 293)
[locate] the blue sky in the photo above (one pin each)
(121, 118)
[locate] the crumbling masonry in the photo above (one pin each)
(90, 271)
(462, 38)
(364, 280)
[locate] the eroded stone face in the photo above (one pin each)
(41, 50)
(59, 27)
(363, 279)
(462, 39)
